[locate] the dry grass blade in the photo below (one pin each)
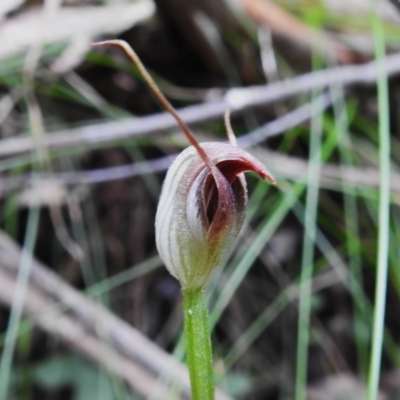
(331, 175)
(360, 8)
(36, 28)
(8, 5)
(284, 167)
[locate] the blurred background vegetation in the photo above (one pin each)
(87, 310)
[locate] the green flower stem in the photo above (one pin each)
(198, 345)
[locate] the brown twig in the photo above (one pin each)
(285, 25)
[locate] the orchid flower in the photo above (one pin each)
(201, 210)
(199, 215)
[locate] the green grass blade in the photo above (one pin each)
(18, 302)
(308, 257)
(384, 210)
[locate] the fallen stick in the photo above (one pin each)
(127, 342)
(40, 309)
(237, 100)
